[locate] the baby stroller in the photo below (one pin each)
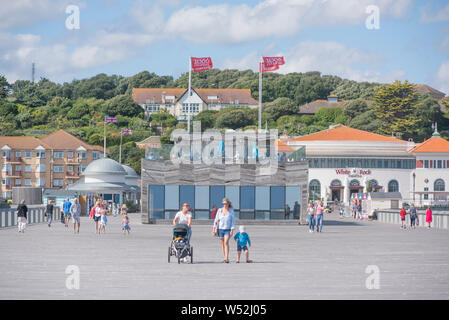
(180, 245)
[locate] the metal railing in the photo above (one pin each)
(8, 217)
(440, 220)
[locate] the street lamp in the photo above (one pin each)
(414, 178)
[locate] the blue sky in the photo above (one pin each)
(126, 37)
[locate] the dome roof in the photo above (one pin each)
(104, 166)
(130, 171)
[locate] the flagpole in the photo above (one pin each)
(120, 153)
(190, 86)
(260, 95)
(104, 137)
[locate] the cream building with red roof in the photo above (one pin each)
(54, 161)
(344, 161)
(432, 169)
(176, 100)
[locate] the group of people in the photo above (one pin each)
(315, 216)
(414, 219)
(357, 209)
(223, 228)
(72, 211)
(99, 214)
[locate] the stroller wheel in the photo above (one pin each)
(179, 260)
(191, 254)
(169, 254)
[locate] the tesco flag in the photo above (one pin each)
(201, 64)
(264, 68)
(273, 61)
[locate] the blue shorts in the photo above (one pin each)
(224, 232)
(240, 248)
(97, 218)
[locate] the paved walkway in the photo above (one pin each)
(290, 263)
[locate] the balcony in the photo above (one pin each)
(72, 160)
(11, 160)
(13, 174)
(71, 174)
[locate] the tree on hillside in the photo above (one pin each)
(312, 87)
(4, 87)
(123, 105)
(395, 105)
(353, 108)
(350, 90)
(143, 79)
(235, 118)
(428, 111)
(280, 107)
(163, 118)
(100, 86)
(366, 121)
(328, 116)
(207, 118)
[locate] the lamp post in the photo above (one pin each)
(414, 178)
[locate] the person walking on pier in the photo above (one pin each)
(49, 212)
(95, 213)
(319, 209)
(66, 207)
(224, 226)
(310, 217)
(403, 213)
(75, 211)
(413, 216)
(185, 217)
(428, 216)
(22, 210)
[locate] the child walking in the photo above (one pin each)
(403, 213)
(242, 238)
(103, 221)
(125, 224)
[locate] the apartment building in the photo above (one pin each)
(56, 160)
(176, 100)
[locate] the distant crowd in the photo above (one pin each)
(71, 212)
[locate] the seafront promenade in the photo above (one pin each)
(349, 260)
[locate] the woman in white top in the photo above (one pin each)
(185, 217)
(224, 226)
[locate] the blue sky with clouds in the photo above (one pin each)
(126, 37)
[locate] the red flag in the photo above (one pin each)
(201, 64)
(263, 68)
(273, 61)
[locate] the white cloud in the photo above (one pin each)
(442, 78)
(25, 13)
(249, 61)
(58, 61)
(272, 18)
(327, 57)
(429, 15)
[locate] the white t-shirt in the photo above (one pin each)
(98, 211)
(183, 218)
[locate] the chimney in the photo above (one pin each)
(332, 98)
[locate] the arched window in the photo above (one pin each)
(393, 186)
(371, 185)
(314, 190)
(438, 185)
(336, 183)
(354, 183)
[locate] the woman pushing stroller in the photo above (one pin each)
(185, 217)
